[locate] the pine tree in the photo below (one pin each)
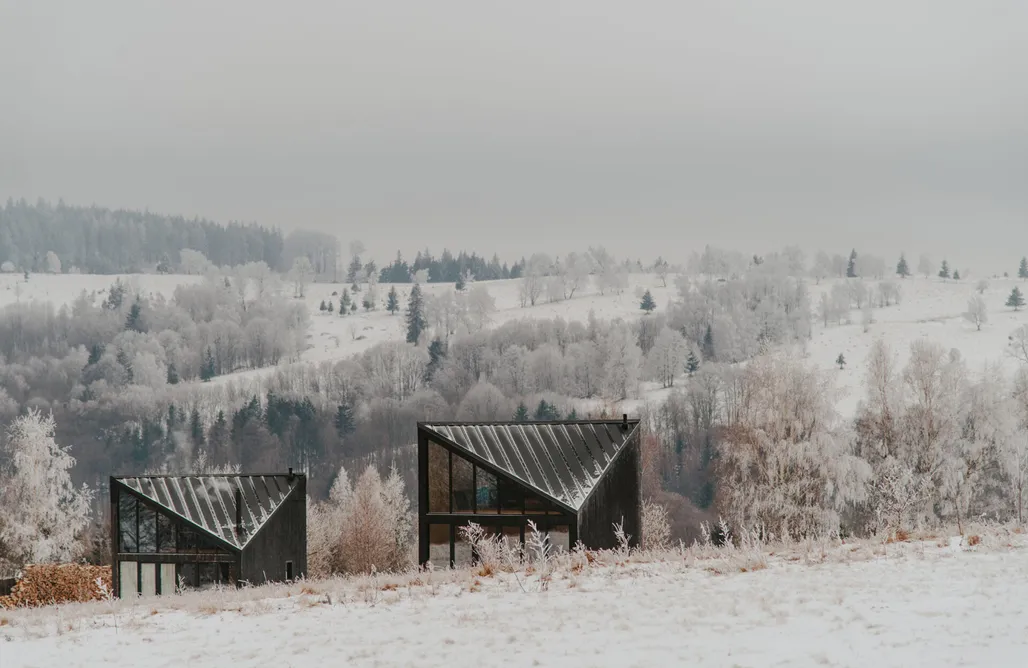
(692, 363)
(354, 269)
(708, 344)
(123, 360)
(460, 283)
(521, 414)
(208, 369)
(331, 306)
(647, 304)
(132, 321)
(96, 351)
(436, 355)
(367, 303)
(323, 306)
(345, 424)
(196, 427)
(1016, 299)
(956, 274)
(841, 361)
(416, 324)
(944, 272)
(218, 436)
(173, 377)
(393, 301)
(573, 415)
(851, 268)
(546, 411)
(1022, 271)
(901, 268)
(345, 302)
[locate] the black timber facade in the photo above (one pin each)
(196, 531)
(573, 479)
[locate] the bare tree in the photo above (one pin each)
(301, 273)
(977, 313)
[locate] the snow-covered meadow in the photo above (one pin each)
(935, 601)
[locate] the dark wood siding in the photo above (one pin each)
(616, 497)
(283, 538)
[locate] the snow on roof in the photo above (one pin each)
(209, 501)
(561, 460)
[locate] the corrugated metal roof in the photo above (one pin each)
(209, 501)
(561, 460)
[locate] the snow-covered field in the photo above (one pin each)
(929, 603)
(930, 308)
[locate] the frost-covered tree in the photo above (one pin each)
(982, 286)
(977, 312)
(667, 357)
(926, 266)
(661, 268)
(647, 304)
(374, 522)
(301, 274)
(574, 273)
(484, 402)
(392, 301)
(480, 306)
(53, 263)
(416, 323)
(944, 270)
(851, 266)
(1022, 270)
(42, 514)
(902, 269)
(193, 262)
(822, 267)
(1016, 299)
(623, 360)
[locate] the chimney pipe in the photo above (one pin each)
(290, 472)
(624, 420)
(239, 512)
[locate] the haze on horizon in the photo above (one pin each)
(650, 128)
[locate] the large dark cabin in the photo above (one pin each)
(573, 479)
(198, 531)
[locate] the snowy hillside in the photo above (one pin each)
(934, 603)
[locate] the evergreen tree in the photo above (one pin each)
(173, 377)
(901, 268)
(132, 321)
(460, 284)
(345, 424)
(123, 360)
(416, 324)
(218, 436)
(647, 304)
(354, 269)
(708, 344)
(208, 369)
(393, 301)
(1016, 299)
(692, 363)
(851, 268)
(345, 302)
(96, 351)
(1022, 271)
(323, 307)
(196, 427)
(521, 414)
(573, 415)
(944, 272)
(353, 307)
(956, 274)
(331, 306)
(436, 355)
(367, 302)
(841, 361)
(546, 411)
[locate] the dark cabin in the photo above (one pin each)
(198, 531)
(573, 479)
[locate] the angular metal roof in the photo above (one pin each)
(561, 460)
(209, 501)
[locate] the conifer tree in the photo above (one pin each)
(416, 323)
(851, 267)
(345, 302)
(1022, 271)
(647, 304)
(173, 377)
(331, 306)
(841, 361)
(1016, 299)
(196, 427)
(96, 351)
(132, 321)
(323, 307)
(436, 354)
(901, 268)
(521, 414)
(546, 411)
(692, 363)
(353, 307)
(944, 272)
(393, 301)
(208, 369)
(345, 424)
(708, 344)
(367, 303)
(956, 274)
(461, 283)
(573, 415)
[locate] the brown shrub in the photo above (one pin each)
(47, 584)
(974, 540)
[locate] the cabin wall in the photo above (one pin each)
(616, 498)
(282, 539)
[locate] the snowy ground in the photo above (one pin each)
(932, 603)
(930, 308)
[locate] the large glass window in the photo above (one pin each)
(462, 554)
(486, 494)
(438, 479)
(559, 538)
(534, 504)
(147, 529)
(512, 499)
(463, 485)
(127, 528)
(165, 534)
(439, 545)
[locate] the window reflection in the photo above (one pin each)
(486, 494)
(463, 485)
(165, 534)
(534, 504)
(438, 479)
(511, 497)
(559, 538)
(147, 529)
(462, 555)
(127, 522)
(439, 545)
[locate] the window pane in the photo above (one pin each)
(438, 479)
(127, 522)
(187, 541)
(486, 494)
(461, 549)
(165, 534)
(511, 498)
(534, 504)
(147, 529)
(463, 485)
(187, 576)
(559, 538)
(209, 575)
(439, 545)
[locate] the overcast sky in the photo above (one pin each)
(650, 128)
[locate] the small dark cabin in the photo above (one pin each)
(573, 479)
(198, 531)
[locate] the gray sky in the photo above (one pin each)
(651, 128)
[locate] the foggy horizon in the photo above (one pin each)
(512, 130)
